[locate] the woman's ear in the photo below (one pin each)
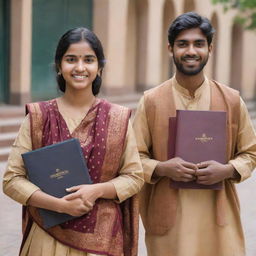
(99, 73)
(58, 69)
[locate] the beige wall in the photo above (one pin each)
(20, 51)
(120, 72)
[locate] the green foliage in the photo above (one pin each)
(246, 11)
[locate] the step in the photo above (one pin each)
(9, 111)
(4, 153)
(129, 100)
(6, 139)
(8, 125)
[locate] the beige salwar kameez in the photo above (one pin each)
(16, 185)
(195, 231)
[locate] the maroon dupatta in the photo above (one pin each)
(108, 229)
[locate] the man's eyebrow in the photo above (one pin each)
(184, 40)
(86, 55)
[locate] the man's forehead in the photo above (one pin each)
(193, 34)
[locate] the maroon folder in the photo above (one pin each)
(198, 136)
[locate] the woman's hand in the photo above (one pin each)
(75, 207)
(88, 194)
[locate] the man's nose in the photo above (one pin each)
(191, 50)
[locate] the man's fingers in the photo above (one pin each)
(188, 171)
(190, 165)
(203, 164)
(202, 178)
(202, 172)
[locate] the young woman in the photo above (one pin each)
(107, 210)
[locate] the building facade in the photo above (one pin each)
(134, 37)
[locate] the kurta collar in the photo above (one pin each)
(186, 93)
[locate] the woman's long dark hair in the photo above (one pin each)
(77, 35)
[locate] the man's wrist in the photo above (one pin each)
(233, 173)
(159, 171)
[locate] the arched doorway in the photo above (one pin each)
(50, 20)
(214, 55)
(167, 62)
(189, 6)
(236, 57)
(4, 49)
(136, 44)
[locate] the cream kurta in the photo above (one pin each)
(195, 232)
(15, 185)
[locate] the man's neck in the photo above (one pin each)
(191, 83)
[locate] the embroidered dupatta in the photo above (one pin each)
(110, 228)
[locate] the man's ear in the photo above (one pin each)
(170, 49)
(210, 49)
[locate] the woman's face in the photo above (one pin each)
(79, 66)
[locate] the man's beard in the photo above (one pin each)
(180, 67)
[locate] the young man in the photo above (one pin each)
(192, 222)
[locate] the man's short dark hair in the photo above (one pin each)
(187, 21)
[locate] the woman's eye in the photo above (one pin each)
(70, 59)
(89, 60)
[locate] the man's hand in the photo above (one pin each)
(176, 169)
(211, 172)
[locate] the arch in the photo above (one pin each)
(136, 44)
(50, 20)
(214, 55)
(167, 63)
(236, 57)
(189, 6)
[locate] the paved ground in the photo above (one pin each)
(10, 220)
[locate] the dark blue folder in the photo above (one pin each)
(54, 168)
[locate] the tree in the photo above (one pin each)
(246, 11)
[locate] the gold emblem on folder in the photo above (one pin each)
(59, 174)
(204, 138)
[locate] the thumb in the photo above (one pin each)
(202, 164)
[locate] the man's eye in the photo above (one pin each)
(181, 44)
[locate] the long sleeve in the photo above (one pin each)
(144, 142)
(245, 159)
(130, 179)
(15, 182)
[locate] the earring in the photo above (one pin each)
(59, 73)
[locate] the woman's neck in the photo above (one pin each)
(76, 105)
(78, 99)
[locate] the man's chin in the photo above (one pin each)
(190, 72)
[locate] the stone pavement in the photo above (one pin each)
(10, 220)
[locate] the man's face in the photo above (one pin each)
(190, 51)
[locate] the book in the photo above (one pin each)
(53, 169)
(197, 136)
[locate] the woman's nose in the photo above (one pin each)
(80, 66)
